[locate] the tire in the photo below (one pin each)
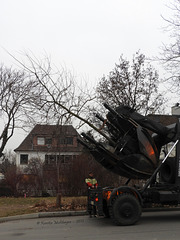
(168, 171)
(126, 210)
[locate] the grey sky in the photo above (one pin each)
(87, 36)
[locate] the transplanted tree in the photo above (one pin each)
(17, 93)
(133, 84)
(62, 98)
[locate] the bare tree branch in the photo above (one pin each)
(62, 96)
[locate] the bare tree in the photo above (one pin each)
(133, 84)
(170, 54)
(16, 94)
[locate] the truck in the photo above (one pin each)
(135, 147)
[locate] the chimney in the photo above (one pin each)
(175, 110)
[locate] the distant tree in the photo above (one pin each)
(12, 178)
(17, 91)
(4, 165)
(170, 54)
(133, 84)
(8, 159)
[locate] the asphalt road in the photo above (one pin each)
(153, 225)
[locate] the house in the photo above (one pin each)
(167, 119)
(45, 159)
(164, 119)
(50, 144)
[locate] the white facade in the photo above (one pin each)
(38, 155)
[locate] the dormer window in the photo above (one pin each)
(44, 141)
(66, 141)
(69, 140)
(40, 141)
(48, 141)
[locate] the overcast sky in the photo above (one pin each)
(87, 36)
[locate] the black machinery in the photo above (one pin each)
(132, 149)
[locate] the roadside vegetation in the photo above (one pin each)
(10, 206)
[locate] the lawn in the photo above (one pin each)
(10, 206)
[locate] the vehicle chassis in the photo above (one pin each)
(124, 204)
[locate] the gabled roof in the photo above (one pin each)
(49, 131)
(54, 130)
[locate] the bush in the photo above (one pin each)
(5, 191)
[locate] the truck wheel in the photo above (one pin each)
(126, 210)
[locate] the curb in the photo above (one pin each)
(70, 213)
(43, 215)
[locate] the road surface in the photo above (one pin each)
(152, 226)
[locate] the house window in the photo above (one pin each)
(40, 141)
(66, 159)
(24, 159)
(50, 159)
(67, 140)
(48, 141)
